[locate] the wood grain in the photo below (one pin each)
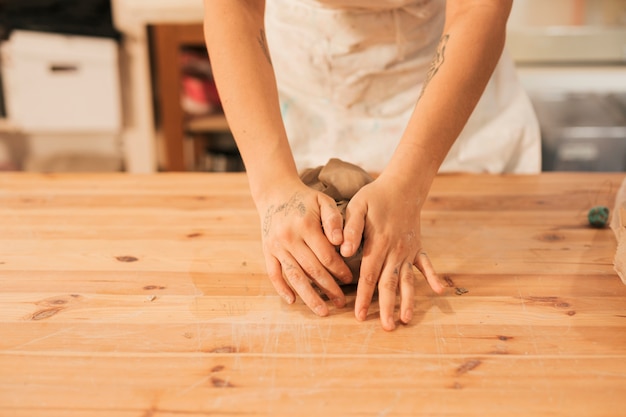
(146, 295)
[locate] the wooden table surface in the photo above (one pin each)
(146, 296)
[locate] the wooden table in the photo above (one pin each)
(145, 296)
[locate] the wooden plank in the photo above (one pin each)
(520, 309)
(232, 384)
(539, 334)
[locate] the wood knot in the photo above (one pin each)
(126, 258)
(468, 366)
(153, 287)
(45, 313)
(220, 383)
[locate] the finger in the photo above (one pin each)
(387, 290)
(316, 271)
(353, 229)
(301, 284)
(329, 261)
(275, 273)
(368, 279)
(332, 222)
(422, 262)
(407, 292)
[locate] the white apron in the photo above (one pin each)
(349, 73)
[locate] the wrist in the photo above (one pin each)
(414, 172)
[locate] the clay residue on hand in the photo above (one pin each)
(340, 180)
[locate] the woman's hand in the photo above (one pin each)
(387, 214)
(300, 229)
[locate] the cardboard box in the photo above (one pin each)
(61, 83)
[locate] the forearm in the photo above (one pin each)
(472, 42)
(235, 38)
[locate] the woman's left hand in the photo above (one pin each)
(386, 214)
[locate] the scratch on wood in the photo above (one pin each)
(46, 313)
(468, 366)
(548, 300)
(542, 299)
(500, 350)
(551, 237)
(223, 349)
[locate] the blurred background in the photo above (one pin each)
(126, 85)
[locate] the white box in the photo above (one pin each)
(61, 83)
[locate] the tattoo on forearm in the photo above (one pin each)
(437, 61)
(295, 204)
(263, 43)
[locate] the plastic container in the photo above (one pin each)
(61, 83)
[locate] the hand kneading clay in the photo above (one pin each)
(341, 181)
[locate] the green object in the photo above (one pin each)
(598, 216)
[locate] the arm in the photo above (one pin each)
(295, 246)
(387, 211)
(471, 45)
(235, 38)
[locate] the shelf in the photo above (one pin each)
(211, 123)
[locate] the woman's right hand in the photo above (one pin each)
(301, 226)
(301, 229)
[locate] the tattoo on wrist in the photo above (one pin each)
(437, 61)
(263, 43)
(294, 205)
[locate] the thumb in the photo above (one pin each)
(353, 229)
(332, 222)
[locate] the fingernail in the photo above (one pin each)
(288, 298)
(337, 237)
(362, 314)
(320, 310)
(346, 249)
(408, 315)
